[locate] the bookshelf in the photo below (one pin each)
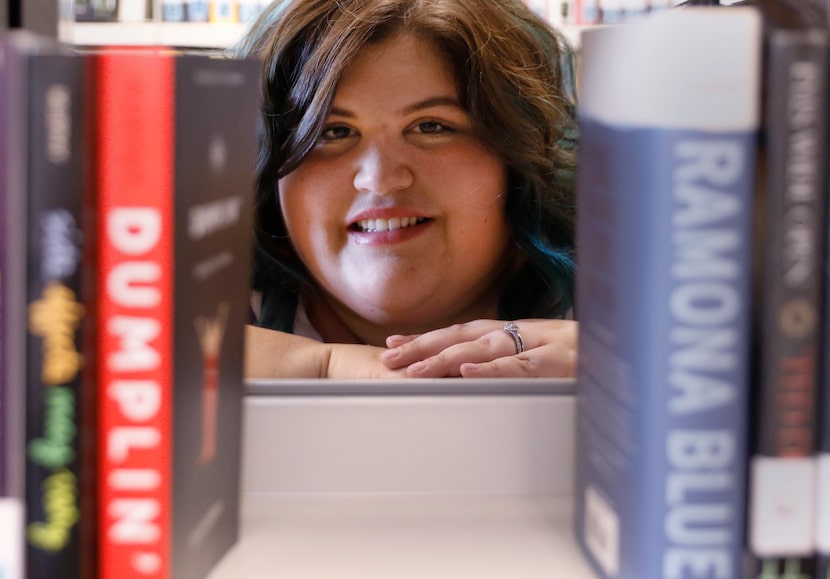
(181, 34)
(370, 487)
(405, 537)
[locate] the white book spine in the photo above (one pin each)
(11, 538)
(132, 10)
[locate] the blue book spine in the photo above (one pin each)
(663, 297)
(664, 337)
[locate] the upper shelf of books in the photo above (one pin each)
(220, 23)
(210, 35)
(179, 34)
(217, 24)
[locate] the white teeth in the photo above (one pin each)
(374, 225)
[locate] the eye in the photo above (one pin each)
(335, 133)
(432, 127)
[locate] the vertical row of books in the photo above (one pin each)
(702, 294)
(168, 10)
(209, 10)
(126, 187)
(589, 12)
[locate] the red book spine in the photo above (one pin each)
(134, 183)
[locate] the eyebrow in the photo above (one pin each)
(436, 101)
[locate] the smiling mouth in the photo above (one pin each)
(380, 225)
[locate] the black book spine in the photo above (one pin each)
(12, 287)
(790, 256)
(55, 316)
(217, 159)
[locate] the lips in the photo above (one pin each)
(380, 224)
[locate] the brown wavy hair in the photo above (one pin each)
(515, 80)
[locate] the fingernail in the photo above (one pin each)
(469, 368)
(418, 367)
(390, 354)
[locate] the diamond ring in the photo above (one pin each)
(513, 331)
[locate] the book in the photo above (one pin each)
(42, 197)
(55, 315)
(197, 10)
(249, 10)
(40, 17)
(174, 183)
(169, 10)
(224, 11)
(611, 11)
(132, 10)
(823, 471)
(587, 12)
(13, 136)
(790, 226)
(663, 291)
(540, 7)
(96, 10)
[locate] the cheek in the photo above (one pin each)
(295, 202)
(312, 215)
(303, 200)
(291, 198)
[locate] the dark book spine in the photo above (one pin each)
(96, 10)
(89, 347)
(13, 136)
(790, 239)
(55, 316)
(216, 158)
(823, 456)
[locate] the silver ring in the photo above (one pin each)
(513, 331)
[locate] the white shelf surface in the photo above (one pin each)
(408, 487)
(404, 537)
(459, 445)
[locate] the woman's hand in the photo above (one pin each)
(483, 349)
(273, 354)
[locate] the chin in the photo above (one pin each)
(408, 317)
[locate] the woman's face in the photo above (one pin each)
(398, 212)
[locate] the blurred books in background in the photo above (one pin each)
(168, 10)
(126, 187)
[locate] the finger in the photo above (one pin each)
(448, 362)
(399, 340)
(433, 342)
(542, 362)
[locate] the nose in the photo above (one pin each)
(382, 169)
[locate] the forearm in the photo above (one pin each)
(273, 354)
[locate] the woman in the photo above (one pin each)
(415, 191)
